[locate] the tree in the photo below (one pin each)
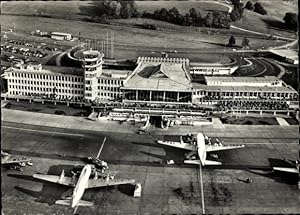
(209, 19)
(220, 20)
(249, 5)
(291, 20)
(111, 8)
(187, 20)
(174, 15)
(196, 17)
(258, 8)
(231, 41)
(126, 11)
(245, 42)
(237, 12)
(133, 8)
(235, 2)
(164, 14)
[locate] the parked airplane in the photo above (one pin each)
(289, 169)
(197, 146)
(80, 184)
(12, 161)
(99, 163)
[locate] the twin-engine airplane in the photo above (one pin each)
(197, 146)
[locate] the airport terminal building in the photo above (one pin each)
(88, 83)
(156, 81)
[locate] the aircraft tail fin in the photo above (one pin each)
(85, 203)
(198, 162)
(208, 162)
(68, 202)
(63, 202)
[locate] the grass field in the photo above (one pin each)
(93, 8)
(271, 23)
(183, 6)
(67, 16)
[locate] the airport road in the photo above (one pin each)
(166, 189)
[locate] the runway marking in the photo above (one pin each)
(40, 131)
(201, 187)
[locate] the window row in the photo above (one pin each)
(41, 83)
(106, 94)
(110, 81)
(42, 89)
(113, 89)
(255, 94)
(47, 77)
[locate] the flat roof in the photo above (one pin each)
(288, 53)
(54, 70)
(61, 33)
(111, 72)
(160, 76)
(243, 88)
(241, 79)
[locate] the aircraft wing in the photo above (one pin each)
(178, 145)
(286, 169)
(14, 161)
(111, 182)
(212, 148)
(68, 181)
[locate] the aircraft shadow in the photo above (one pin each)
(168, 156)
(127, 189)
(279, 162)
(281, 177)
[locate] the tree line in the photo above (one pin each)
(193, 18)
(128, 9)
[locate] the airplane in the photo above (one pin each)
(289, 169)
(198, 146)
(96, 161)
(12, 161)
(80, 184)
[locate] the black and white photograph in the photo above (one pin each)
(149, 107)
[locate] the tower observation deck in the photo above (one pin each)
(92, 65)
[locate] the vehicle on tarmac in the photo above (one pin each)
(102, 165)
(14, 162)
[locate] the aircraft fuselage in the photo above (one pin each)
(81, 185)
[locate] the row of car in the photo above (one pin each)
(33, 45)
(22, 51)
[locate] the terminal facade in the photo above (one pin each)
(156, 81)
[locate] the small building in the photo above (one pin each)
(212, 69)
(287, 55)
(61, 36)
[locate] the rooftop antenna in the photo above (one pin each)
(112, 44)
(107, 43)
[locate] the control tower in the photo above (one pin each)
(92, 66)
